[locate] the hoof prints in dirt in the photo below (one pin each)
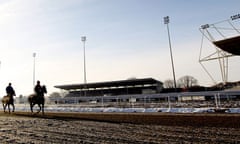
(38, 130)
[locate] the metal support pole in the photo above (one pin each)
(84, 62)
(34, 55)
(84, 58)
(166, 21)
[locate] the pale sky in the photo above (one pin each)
(125, 38)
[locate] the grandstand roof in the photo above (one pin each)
(129, 82)
(230, 45)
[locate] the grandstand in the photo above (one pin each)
(114, 88)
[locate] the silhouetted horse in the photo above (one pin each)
(35, 99)
(7, 101)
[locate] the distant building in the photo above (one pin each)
(113, 88)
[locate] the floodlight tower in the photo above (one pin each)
(83, 38)
(166, 21)
(84, 58)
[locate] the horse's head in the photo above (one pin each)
(44, 89)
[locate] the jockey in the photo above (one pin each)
(38, 89)
(10, 91)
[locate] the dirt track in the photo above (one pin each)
(171, 119)
(60, 128)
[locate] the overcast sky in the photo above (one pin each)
(125, 38)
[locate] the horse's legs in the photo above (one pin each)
(43, 109)
(13, 107)
(8, 108)
(31, 107)
(40, 108)
(4, 107)
(12, 103)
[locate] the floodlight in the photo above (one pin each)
(84, 38)
(166, 20)
(205, 26)
(234, 17)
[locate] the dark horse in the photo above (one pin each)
(35, 99)
(7, 101)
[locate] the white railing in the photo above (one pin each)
(148, 100)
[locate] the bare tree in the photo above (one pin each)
(55, 95)
(187, 82)
(169, 83)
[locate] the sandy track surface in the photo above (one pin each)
(22, 129)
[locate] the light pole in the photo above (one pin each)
(84, 58)
(84, 61)
(166, 21)
(34, 55)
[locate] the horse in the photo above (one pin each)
(7, 101)
(39, 100)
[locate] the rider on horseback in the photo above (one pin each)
(39, 90)
(10, 91)
(38, 97)
(8, 99)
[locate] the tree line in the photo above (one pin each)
(183, 82)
